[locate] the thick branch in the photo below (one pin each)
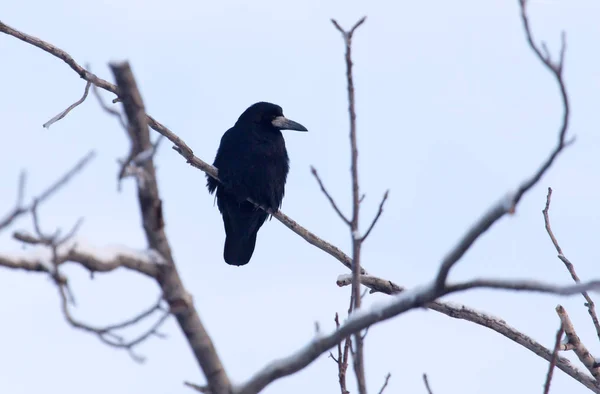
(483, 319)
(179, 300)
(578, 347)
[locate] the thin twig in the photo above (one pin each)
(387, 379)
(71, 107)
(21, 209)
(331, 200)
(426, 381)
(377, 216)
(570, 267)
(559, 335)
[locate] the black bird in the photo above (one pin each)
(252, 162)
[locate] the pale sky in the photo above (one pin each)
(454, 111)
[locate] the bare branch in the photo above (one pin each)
(21, 209)
(180, 301)
(94, 259)
(523, 285)
(111, 111)
(377, 216)
(509, 203)
(197, 387)
(570, 267)
(358, 358)
(70, 108)
(107, 334)
(404, 301)
(578, 347)
(559, 335)
(463, 312)
(426, 381)
(333, 204)
(387, 379)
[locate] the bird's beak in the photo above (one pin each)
(283, 123)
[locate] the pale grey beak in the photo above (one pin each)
(283, 123)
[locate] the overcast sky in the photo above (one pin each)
(453, 112)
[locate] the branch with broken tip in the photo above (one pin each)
(570, 267)
(463, 312)
(507, 206)
(579, 348)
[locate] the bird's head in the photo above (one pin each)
(270, 115)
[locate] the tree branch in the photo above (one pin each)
(331, 200)
(570, 267)
(578, 347)
(559, 335)
(70, 108)
(463, 312)
(358, 358)
(180, 301)
(509, 203)
(21, 209)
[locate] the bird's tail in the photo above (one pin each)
(241, 233)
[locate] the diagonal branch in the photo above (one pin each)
(21, 209)
(589, 302)
(377, 216)
(398, 304)
(509, 203)
(70, 108)
(579, 348)
(463, 312)
(559, 335)
(180, 301)
(331, 200)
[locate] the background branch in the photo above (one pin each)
(570, 267)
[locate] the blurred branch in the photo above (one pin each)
(552, 364)
(93, 259)
(21, 209)
(570, 267)
(70, 108)
(180, 301)
(385, 383)
(426, 381)
(508, 204)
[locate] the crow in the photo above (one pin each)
(253, 163)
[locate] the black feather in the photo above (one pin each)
(253, 163)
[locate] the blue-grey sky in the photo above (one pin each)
(453, 112)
